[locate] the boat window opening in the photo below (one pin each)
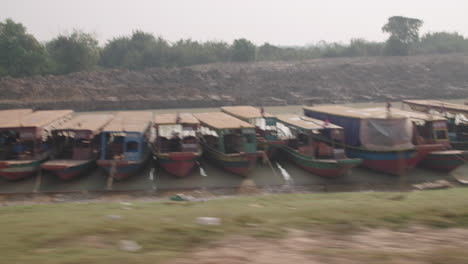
(190, 144)
(249, 138)
(441, 134)
(211, 141)
(115, 147)
(132, 146)
(232, 143)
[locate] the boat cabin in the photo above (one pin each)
(25, 135)
(176, 133)
(126, 136)
(427, 128)
(369, 129)
(227, 134)
(312, 137)
(78, 139)
(265, 123)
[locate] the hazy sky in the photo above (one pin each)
(292, 22)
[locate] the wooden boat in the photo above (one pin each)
(77, 145)
(25, 137)
(229, 142)
(430, 133)
(456, 114)
(176, 147)
(124, 143)
(316, 146)
(265, 124)
(381, 140)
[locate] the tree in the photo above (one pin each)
(404, 32)
(141, 50)
(72, 53)
(243, 50)
(20, 53)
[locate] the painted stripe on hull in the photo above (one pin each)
(124, 169)
(18, 171)
(444, 163)
(391, 162)
(178, 164)
(325, 168)
(69, 172)
(238, 164)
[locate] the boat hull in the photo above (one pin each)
(179, 164)
(68, 169)
(16, 170)
(270, 147)
(325, 168)
(460, 145)
(123, 168)
(390, 162)
(445, 161)
(241, 163)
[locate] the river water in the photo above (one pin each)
(281, 176)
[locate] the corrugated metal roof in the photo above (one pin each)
(36, 119)
(88, 122)
(218, 120)
(132, 121)
(169, 119)
(244, 112)
(305, 122)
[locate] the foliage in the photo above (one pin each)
(403, 31)
(20, 53)
(139, 51)
(441, 42)
(71, 53)
(243, 50)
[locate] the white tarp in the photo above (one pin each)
(386, 134)
(168, 131)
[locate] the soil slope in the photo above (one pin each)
(269, 83)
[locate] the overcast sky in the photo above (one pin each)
(292, 22)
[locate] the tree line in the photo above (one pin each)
(22, 55)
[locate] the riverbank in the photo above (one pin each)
(332, 80)
(93, 232)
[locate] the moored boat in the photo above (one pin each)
(25, 140)
(124, 143)
(77, 145)
(456, 114)
(176, 147)
(381, 140)
(228, 142)
(265, 124)
(316, 146)
(430, 135)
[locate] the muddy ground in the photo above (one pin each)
(412, 245)
(338, 80)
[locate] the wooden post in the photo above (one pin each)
(110, 177)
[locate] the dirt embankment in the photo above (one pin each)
(268, 83)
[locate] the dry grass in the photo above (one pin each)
(85, 233)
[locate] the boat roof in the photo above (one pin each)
(171, 118)
(219, 120)
(413, 115)
(33, 119)
(305, 122)
(438, 104)
(88, 122)
(131, 121)
(245, 112)
(360, 113)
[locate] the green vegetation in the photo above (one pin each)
(84, 233)
(22, 55)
